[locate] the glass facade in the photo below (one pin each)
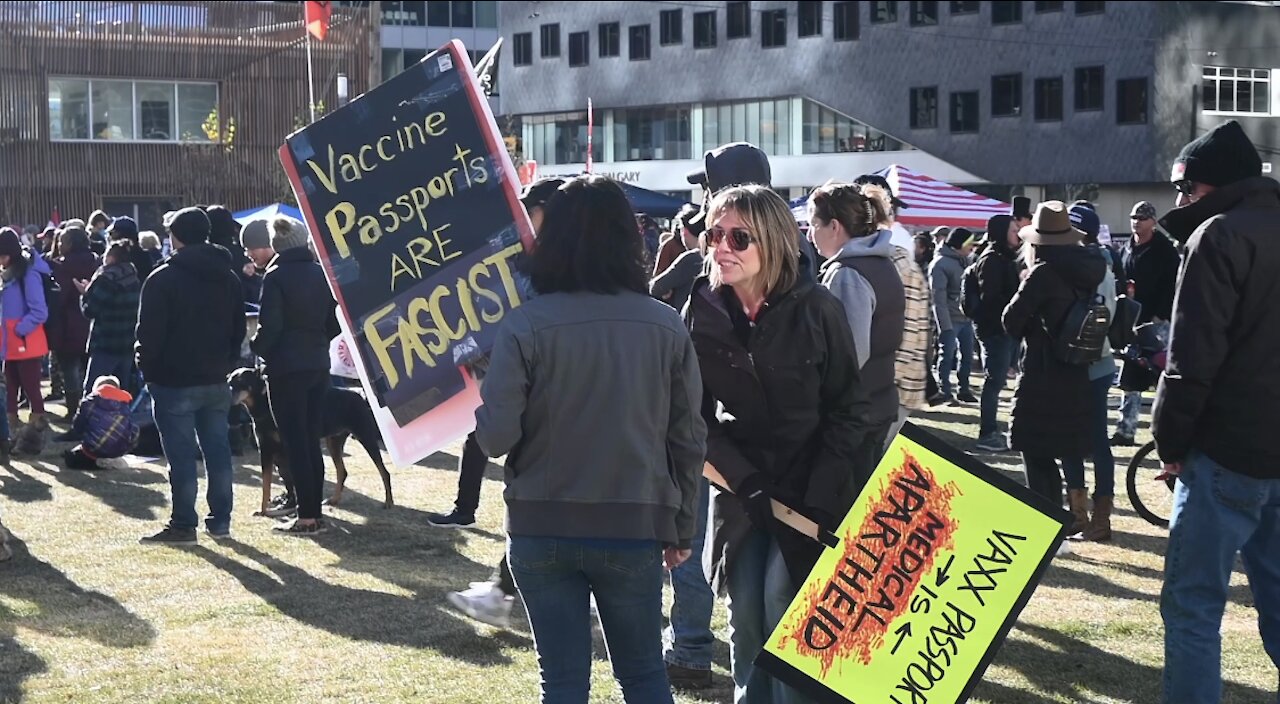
(764, 123)
(440, 13)
(647, 134)
(561, 138)
(779, 126)
(826, 131)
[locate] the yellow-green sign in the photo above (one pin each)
(936, 559)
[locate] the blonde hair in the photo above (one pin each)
(775, 230)
(149, 240)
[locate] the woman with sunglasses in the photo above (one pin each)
(785, 411)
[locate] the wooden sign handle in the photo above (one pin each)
(784, 513)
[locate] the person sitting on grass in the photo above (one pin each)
(104, 424)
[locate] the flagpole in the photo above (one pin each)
(590, 125)
(311, 84)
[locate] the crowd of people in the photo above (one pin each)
(785, 359)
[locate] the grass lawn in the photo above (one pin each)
(358, 614)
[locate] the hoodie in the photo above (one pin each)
(863, 276)
(23, 301)
(946, 273)
(191, 319)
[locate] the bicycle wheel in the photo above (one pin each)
(1152, 498)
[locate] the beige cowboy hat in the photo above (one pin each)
(1051, 225)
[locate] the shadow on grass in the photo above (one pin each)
(23, 488)
(51, 603)
(1074, 669)
(124, 489)
(423, 620)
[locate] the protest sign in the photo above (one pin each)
(412, 204)
(936, 559)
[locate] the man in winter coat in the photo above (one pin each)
(954, 329)
(997, 277)
(1216, 412)
(1150, 262)
(190, 330)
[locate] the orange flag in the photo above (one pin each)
(317, 18)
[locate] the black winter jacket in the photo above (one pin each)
(298, 318)
(191, 319)
(1153, 267)
(786, 404)
(1220, 392)
(997, 271)
(1051, 411)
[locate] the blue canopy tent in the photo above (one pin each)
(266, 212)
(658, 205)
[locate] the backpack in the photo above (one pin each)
(970, 297)
(1081, 336)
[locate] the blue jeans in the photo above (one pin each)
(690, 640)
(997, 355)
(557, 577)
(1130, 410)
(760, 590)
(959, 336)
(1104, 463)
(1216, 513)
(120, 366)
(183, 415)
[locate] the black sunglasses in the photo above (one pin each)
(1139, 218)
(1184, 187)
(739, 239)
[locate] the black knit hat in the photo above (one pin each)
(189, 225)
(960, 237)
(1222, 156)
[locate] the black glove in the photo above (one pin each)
(754, 494)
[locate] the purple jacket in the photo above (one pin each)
(24, 301)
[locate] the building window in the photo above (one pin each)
(438, 14)
(764, 123)
(550, 41)
(1089, 89)
(610, 33)
(1006, 95)
(522, 49)
(773, 28)
(1131, 101)
(845, 21)
(704, 30)
(153, 111)
(1042, 7)
(638, 42)
(1090, 8)
(1049, 99)
(924, 108)
(1236, 90)
(560, 139)
(923, 13)
(826, 131)
(964, 111)
(646, 134)
(739, 19)
(464, 14)
(964, 8)
(1006, 12)
(487, 14)
(882, 12)
(810, 16)
(671, 29)
(579, 48)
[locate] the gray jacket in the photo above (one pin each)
(945, 276)
(596, 401)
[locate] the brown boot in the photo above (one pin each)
(1100, 528)
(1078, 500)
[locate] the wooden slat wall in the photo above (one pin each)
(254, 51)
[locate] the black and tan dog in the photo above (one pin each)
(346, 413)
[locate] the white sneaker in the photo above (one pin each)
(485, 603)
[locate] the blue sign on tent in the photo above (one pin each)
(266, 212)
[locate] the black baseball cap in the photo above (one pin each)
(735, 164)
(540, 191)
